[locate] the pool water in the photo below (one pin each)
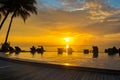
(77, 58)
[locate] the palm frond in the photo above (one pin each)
(21, 8)
(25, 8)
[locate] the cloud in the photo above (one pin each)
(113, 18)
(94, 18)
(73, 5)
(99, 9)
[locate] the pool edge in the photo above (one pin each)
(48, 65)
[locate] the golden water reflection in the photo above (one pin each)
(74, 59)
(66, 64)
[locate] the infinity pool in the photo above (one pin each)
(101, 60)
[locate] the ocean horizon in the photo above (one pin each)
(50, 47)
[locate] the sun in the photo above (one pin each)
(67, 39)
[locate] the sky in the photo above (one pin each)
(85, 22)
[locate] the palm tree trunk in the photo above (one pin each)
(9, 28)
(4, 19)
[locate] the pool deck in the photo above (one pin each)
(17, 70)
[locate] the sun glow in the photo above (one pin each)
(67, 39)
(67, 46)
(66, 64)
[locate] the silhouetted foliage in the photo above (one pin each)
(22, 8)
(112, 51)
(32, 49)
(60, 51)
(86, 51)
(17, 49)
(40, 50)
(69, 51)
(95, 51)
(5, 47)
(11, 49)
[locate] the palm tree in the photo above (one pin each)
(9, 6)
(5, 5)
(2, 11)
(22, 8)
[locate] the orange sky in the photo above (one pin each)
(89, 25)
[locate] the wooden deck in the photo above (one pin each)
(16, 71)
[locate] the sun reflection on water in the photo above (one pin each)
(66, 64)
(67, 46)
(67, 40)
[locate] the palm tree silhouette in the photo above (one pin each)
(22, 8)
(5, 5)
(2, 11)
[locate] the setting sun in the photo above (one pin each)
(60, 39)
(67, 39)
